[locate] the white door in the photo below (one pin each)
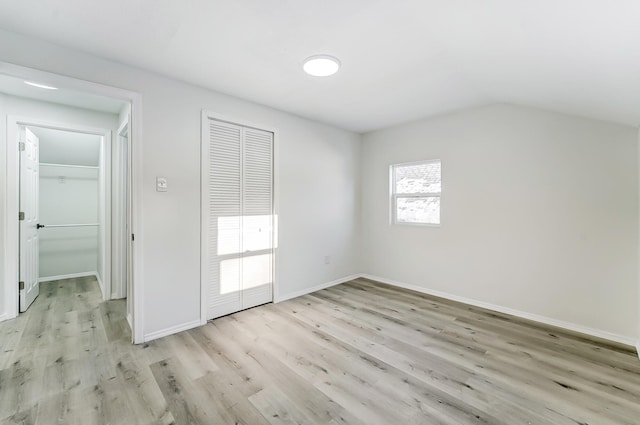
(29, 175)
(223, 197)
(257, 217)
(237, 199)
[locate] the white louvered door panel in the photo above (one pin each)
(257, 213)
(223, 205)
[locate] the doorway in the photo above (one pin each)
(64, 195)
(122, 266)
(76, 94)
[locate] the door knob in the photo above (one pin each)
(38, 226)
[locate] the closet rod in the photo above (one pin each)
(47, 164)
(68, 225)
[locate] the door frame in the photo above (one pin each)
(26, 298)
(10, 277)
(204, 215)
(119, 213)
(13, 180)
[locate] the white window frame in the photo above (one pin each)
(394, 196)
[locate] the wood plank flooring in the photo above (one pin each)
(357, 353)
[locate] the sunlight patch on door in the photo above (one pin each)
(256, 271)
(246, 233)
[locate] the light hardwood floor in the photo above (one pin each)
(357, 353)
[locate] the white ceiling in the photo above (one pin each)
(402, 60)
(17, 87)
(66, 147)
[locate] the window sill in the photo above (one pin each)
(416, 224)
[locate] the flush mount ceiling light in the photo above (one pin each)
(321, 65)
(42, 86)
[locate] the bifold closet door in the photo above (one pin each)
(257, 218)
(237, 217)
(223, 196)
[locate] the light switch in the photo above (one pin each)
(161, 184)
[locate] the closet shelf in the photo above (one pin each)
(48, 164)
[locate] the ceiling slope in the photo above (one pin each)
(402, 60)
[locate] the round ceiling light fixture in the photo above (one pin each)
(321, 65)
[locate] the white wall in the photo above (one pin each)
(539, 214)
(10, 105)
(67, 196)
(318, 178)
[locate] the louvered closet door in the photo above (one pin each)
(238, 209)
(257, 214)
(223, 195)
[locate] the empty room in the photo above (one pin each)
(320, 212)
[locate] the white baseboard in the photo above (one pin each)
(4, 317)
(118, 296)
(638, 349)
(621, 339)
(172, 330)
(67, 276)
(194, 324)
(104, 295)
(130, 321)
(280, 298)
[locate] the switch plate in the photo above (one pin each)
(161, 184)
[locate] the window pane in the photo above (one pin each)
(418, 178)
(418, 210)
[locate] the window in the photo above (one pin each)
(415, 192)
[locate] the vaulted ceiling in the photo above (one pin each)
(401, 60)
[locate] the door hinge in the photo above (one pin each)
(21, 285)
(21, 146)
(21, 215)
(133, 237)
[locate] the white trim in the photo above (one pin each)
(638, 349)
(130, 321)
(105, 225)
(280, 298)
(68, 276)
(393, 218)
(11, 233)
(65, 82)
(136, 207)
(172, 330)
(100, 282)
(203, 219)
(119, 218)
(57, 125)
(207, 113)
(621, 339)
(422, 161)
(4, 317)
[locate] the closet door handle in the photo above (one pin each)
(39, 226)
